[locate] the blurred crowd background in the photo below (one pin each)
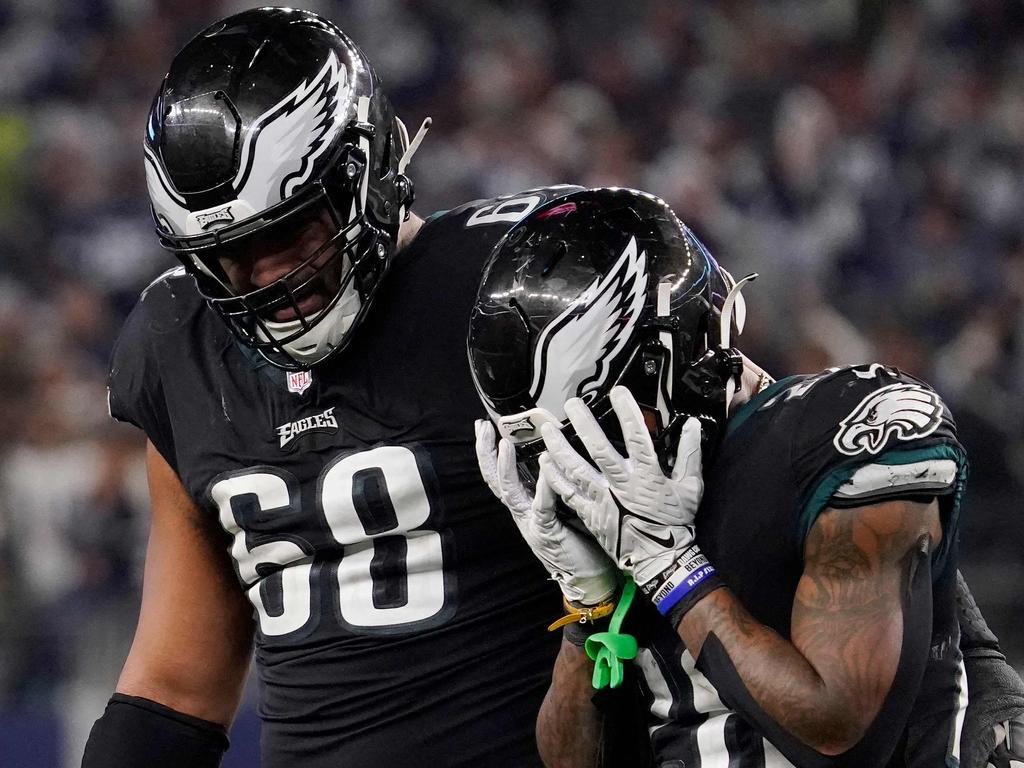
(867, 158)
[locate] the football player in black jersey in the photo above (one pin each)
(810, 613)
(303, 383)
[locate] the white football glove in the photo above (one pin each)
(574, 560)
(642, 518)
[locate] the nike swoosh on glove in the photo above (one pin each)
(583, 571)
(642, 517)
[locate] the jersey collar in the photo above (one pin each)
(748, 409)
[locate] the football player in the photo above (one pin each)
(800, 595)
(303, 383)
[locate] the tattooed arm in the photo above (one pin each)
(579, 727)
(827, 684)
(569, 726)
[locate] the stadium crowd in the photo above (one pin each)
(866, 158)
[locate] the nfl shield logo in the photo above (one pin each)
(299, 381)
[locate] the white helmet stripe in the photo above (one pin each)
(665, 310)
(363, 115)
(167, 203)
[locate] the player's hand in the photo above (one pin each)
(574, 560)
(1009, 750)
(642, 517)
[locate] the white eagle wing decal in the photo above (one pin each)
(908, 411)
(572, 354)
(299, 129)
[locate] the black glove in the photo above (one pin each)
(1009, 750)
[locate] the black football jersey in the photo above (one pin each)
(401, 618)
(842, 438)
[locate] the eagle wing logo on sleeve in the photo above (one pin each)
(908, 411)
(574, 351)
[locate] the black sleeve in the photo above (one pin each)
(975, 636)
(135, 391)
(625, 742)
(138, 733)
(995, 690)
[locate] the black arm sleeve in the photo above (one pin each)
(976, 639)
(625, 741)
(138, 733)
(996, 692)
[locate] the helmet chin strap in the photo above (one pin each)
(409, 149)
(734, 309)
(665, 337)
(412, 146)
(327, 332)
(329, 326)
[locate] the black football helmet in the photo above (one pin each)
(599, 288)
(268, 120)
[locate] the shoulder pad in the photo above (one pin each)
(866, 408)
(892, 408)
(868, 433)
(134, 384)
(167, 302)
(871, 408)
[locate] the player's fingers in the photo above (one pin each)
(486, 455)
(544, 501)
(544, 523)
(574, 466)
(634, 427)
(569, 492)
(688, 454)
(513, 493)
(593, 438)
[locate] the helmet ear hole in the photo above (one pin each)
(701, 338)
(385, 158)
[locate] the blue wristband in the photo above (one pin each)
(679, 585)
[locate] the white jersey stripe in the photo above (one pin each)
(773, 758)
(711, 743)
(961, 709)
(705, 696)
(710, 733)
(661, 701)
(920, 476)
(713, 736)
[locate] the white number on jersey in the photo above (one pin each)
(375, 503)
(509, 211)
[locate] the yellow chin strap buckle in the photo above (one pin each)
(582, 614)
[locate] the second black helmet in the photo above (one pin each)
(599, 288)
